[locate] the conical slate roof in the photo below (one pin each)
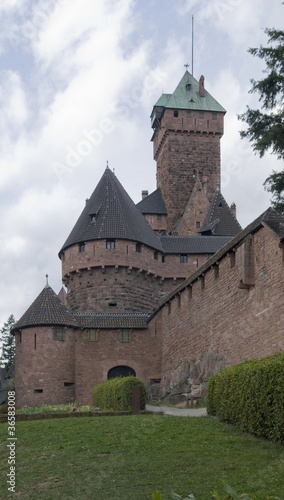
(47, 309)
(186, 96)
(110, 213)
(220, 220)
(153, 204)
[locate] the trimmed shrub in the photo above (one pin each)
(115, 394)
(251, 396)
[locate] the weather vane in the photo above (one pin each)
(186, 66)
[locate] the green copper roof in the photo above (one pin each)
(186, 96)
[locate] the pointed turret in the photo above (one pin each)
(111, 214)
(47, 309)
(220, 220)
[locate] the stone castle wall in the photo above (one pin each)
(95, 359)
(233, 312)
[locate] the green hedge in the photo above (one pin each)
(116, 394)
(251, 396)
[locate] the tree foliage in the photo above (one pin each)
(266, 126)
(8, 344)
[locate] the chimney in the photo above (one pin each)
(234, 209)
(86, 201)
(201, 86)
(144, 194)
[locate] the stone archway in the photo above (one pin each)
(121, 371)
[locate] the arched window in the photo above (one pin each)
(120, 371)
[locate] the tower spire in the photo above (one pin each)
(47, 284)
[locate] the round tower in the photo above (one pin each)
(111, 260)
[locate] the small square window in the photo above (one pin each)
(159, 216)
(214, 116)
(125, 335)
(201, 114)
(82, 247)
(93, 335)
(110, 244)
(58, 333)
(183, 258)
(175, 113)
(197, 224)
(138, 247)
(188, 114)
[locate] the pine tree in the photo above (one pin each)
(266, 127)
(8, 344)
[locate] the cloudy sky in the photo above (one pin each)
(78, 80)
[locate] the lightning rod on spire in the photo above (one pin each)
(192, 43)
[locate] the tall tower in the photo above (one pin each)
(188, 126)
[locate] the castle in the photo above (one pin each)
(170, 290)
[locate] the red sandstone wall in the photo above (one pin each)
(95, 359)
(46, 367)
(181, 146)
(217, 317)
(135, 281)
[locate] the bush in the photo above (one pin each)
(116, 394)
(250, 395)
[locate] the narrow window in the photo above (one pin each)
(68, 384)
(175, 113)
(202, 282)
(125, 335)
(169, 308)
(138, 247)
(188, 114)
(179, 301)
(81, 247)
(156, 255)
(35, 341)
(216, 271)
(190, 292)
(110, 244)
(58, 333)
(38, 391)
(232, 259)
(183, 258)
(93, 335)
(163, 258)
(214, 116)
(197, 224)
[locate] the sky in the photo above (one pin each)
(78, 81)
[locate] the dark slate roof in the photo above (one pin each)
(220, 220)
(116, 216)
(153, 204)
(275, 222)
(186, 96)
(266, 219)
(98, 320)
(193, 244)
(47, 309)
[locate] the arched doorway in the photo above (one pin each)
(121, 371)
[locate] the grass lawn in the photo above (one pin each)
(127, 458)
